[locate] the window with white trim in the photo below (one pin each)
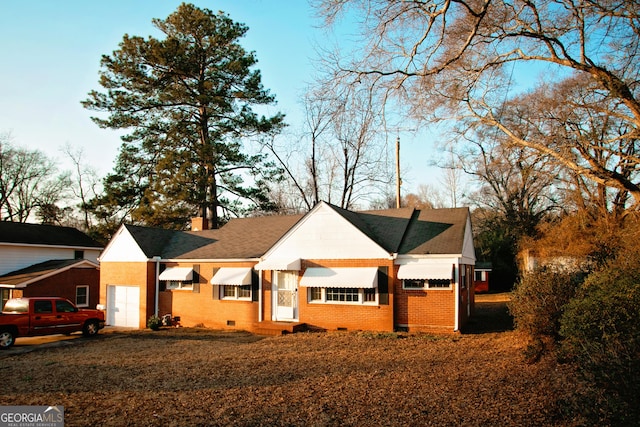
(179, 284)
(438, 284)
(235, 292)
(413, 284)
(419, 284)
(343, 295)
(82, 296)
(480, 276)
(315, 294)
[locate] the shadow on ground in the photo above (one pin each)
(491, 315)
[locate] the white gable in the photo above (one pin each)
(325, 234)
(123, 248)
(468, 250)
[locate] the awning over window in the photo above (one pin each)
(340, 278)
(279, 264)
(236, 276)
(427, 270)
(183, 274)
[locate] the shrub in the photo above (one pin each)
(539, 299)
(601, 332)
(154, 323)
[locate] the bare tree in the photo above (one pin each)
(342, 148)
(28, 181)
(85, 184)
(457, 59)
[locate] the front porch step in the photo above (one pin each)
(278, 328)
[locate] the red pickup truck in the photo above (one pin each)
(29, 317)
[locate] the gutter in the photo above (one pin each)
(157, 280)
(260, 314)
(456, 286)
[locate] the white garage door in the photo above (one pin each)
(123, 306)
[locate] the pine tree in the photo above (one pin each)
(186, 102)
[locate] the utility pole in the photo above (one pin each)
(398, 178)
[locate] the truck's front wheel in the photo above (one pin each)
(91, 328)
(7, 338)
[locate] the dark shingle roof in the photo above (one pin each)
(239, 238)
(436, 231)
(50, 235)
(37, 270)
(411, 231)
(403, 231)
(151, 240)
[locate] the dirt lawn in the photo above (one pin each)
(184, 377)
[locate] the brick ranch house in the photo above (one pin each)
(331, 269)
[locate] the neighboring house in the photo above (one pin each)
(481, 276)
(45, 260)
(531, 261)
(400, 269)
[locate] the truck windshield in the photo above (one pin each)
(16, 306)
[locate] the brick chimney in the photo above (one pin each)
(199, 224)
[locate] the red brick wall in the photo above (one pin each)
(202, 309)
(141, 274)
(425, 310)
(64, 285)
(349, 316)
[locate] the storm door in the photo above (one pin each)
(285, 289)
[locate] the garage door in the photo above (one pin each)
(123, 306)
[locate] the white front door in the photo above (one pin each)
(285, 301)
(123, 306)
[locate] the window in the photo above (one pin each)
(64, 307)
(235, 292)
(244, 291)
(42, 307)
(82, 296)
(342, 294)
(413, 284)
(78, 254)
(315, 294)
(179, 284)
(480, 276)
(439, 283)
(370, 295)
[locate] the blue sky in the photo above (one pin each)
(50, 54)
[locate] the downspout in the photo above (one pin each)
(157, 260)
(260, 296)
(457, 298)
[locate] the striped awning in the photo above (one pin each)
(236, 276)
(427, 270)
(366, 277)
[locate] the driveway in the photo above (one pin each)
(28, 344)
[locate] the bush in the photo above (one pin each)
(601, 333)
(539, 299)
(154, 323)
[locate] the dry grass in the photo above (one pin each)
(201, 377)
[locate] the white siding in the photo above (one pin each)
(13, 257)
(123, 248)
(324, 234)
(468, 250)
